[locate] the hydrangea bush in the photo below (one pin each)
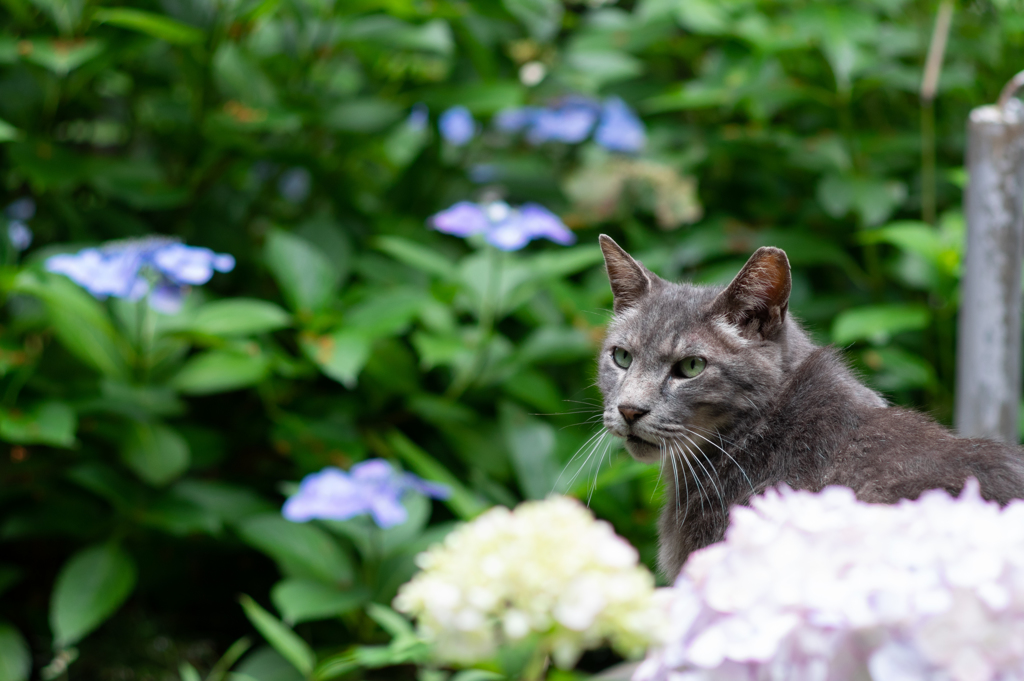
(313, 141)
(547, 571)
(822, 586)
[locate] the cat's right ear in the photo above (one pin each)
(757, 300)
(629, 279)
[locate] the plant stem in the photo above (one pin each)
(928, 161)
(488, 312)
(537, 667)
(929, 86)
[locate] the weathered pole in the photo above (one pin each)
(988, 372)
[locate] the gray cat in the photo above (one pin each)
(725, 390)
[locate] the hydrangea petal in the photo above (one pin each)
(457, 126)
(371, 487)
(185, 264)
(167, 298)
(538, 221)
(620, 128)
(508, 235)
(434, 490)
(570, 124)
(387, 510)
(19, 234)
(462, 219)
(514, 120)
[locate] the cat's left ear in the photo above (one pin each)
(630, 280)
(757, 299)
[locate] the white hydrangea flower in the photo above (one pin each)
(548, 568)
(822, 586)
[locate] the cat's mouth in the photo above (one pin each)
(642, 450)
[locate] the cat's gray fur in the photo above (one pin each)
(770, 407)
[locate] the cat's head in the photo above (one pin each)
(682, 363)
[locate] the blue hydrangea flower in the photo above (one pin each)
(572, 119)
(570, 123)
(418, 118)
(457, 126)
(372, 487)
(503, 226)
(620, 128)
(159, 266)
(294, 185)
(514, 120)
(18, 213)
(19, 234)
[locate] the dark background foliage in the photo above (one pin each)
(147, 455)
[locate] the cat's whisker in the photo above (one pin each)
(590, 453)
(711, 473)
(675, 472)
(701, 491)
(593, 450)
(597, 470)
(717, 433)
(686, 488)
(661, 470)
(596, 436)
(721, 449)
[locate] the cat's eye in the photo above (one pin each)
(688, 367)
(622, 357)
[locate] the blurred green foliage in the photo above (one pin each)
(142, 476)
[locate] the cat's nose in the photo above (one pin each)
(631, 413)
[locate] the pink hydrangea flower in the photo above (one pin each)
(822, 586)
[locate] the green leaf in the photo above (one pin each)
(230, 503)
(219, 371)
(8, 132)
(542, 18)
(340, 355)
(597, 67)
(702, 16)
(61, 56)
(307, 279)
(238, 317)
(228, 659)
(386, 313)
(363, 115)
(532, 445)
(300, 600)
(416, 255)
(479, 675)
(874, 199)
(90, 587)
(140, 183)
(390, 621)
(878, 323)
(188, 673)
(156, 25)
(897, 369)
(15, 656)
(79, 321)
(48, 423)
(461, 501)
(301, 550)
(284, 640)
(389, 32)
(155, 452)
(375, 543)
(239, 77)
(265, 664)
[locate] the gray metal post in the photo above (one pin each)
(988, 373)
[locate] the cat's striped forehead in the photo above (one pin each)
(669, 318)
